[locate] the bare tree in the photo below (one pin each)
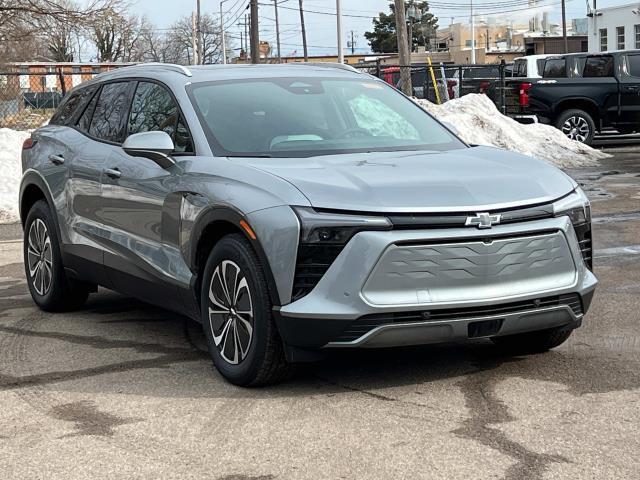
(115, 35)
(179, 37)
(33, 28)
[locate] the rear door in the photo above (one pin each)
(78, 207)
(134, 192)
(629, 77)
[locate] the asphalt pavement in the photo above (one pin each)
(121, 389)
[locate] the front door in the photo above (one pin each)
(629, 119)
(137, 200)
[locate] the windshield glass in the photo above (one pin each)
(293, 117)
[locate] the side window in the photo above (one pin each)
(633, 65)
(540, 65)
(555, 68)
(72, 106)
(108, 122)
(598, 67)
(153, 109)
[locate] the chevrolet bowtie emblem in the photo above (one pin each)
(482, 220)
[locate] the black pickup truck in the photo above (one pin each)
(581, 94)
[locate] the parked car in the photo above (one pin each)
(297, 208)
(475, 79)
(581, 94)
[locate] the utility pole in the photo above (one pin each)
(275, 7)
(473, 36)
(353, 44)
(564, 28)
(246, 38)
(199, 33)
(403, 49)
(255, 33)
(194, 39)
(339, 28)
(224, 46)
(304, 34)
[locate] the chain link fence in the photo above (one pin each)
(439, 83)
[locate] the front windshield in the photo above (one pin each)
(294, 117)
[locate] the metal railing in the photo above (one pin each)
(441, 82)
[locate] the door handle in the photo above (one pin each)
(113, 172)
(56, 159)
(633, 88)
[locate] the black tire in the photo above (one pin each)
(60, 293)
(260, 360)
(572, 122)
(534, 342)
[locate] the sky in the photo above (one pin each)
(357, 14)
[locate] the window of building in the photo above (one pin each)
(636, 32)
(603, 39)
(620, 38)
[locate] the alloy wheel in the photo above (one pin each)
(576, 128)
(231, 316)
(39, 257)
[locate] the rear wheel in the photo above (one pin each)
(577, 125)
(237, 316)
(534, 342)
(48, 284)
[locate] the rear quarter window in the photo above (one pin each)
(72, 106)
(598, 67)
(555, 68)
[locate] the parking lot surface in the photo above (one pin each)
(120, 389)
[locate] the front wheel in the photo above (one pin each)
(577, 125)
(534, 342)
(237, 316)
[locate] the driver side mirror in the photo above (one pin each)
(155, 146)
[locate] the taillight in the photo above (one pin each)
(28, 143)
(484, 86)
(524, 94)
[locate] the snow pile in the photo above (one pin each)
(10, 172)
(479, 122)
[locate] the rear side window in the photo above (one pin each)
(598, 67)
(540, 65)
(555, 68)
(68, 112)
(520, 68)
(153, 109)
(108, 122)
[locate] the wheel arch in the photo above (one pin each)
(584, 104)
(211, 226)
(33, 188)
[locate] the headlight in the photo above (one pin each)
(576, 206)
(335, 228)
(322, 237)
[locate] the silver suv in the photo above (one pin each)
(297, 208)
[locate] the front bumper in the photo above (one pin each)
(369, 278)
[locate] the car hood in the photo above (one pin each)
(469, 179)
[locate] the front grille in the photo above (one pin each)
(367, 323)
(313, 262)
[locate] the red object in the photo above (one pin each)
(524, 94)
(484, 86)
(28, 143)
(450, 85)
(387, 74)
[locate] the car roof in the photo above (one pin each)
(201, 73)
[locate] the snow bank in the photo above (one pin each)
(10, 172)
(479, 122)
